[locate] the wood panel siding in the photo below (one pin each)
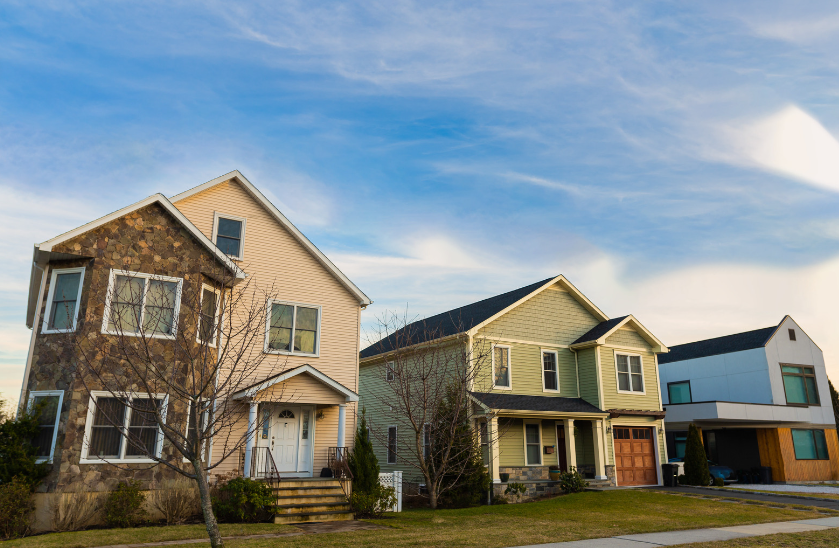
(612, 399)
(552, 316)
(777, 452)
(587, 364)
(278, 264)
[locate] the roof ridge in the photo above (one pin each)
(729, 335)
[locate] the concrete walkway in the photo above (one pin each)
(672, 538)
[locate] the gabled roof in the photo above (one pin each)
(252, 390)
(516, 402)
(44, 251)
(299, 236)
(597, 335)
(719, 345)
(473, 316)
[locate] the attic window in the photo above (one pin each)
(791, 334)
(229, 235)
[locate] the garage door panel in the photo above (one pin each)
(634, 456)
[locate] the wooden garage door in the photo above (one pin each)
(634, 456)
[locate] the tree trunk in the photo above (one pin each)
(207, 506)
(432, 496)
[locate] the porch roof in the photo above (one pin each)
(252, 390)
(540, 404)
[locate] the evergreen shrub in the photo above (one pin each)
(124, 505)
(696, 463)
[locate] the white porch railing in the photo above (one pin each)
(393, 479)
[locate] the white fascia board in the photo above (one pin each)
(576, 293)
(283, 220)
(168, 206)
(306, 368)
(644, 332)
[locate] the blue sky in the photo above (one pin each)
(678, 162)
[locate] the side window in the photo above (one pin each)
(65, 292)
(48, 404)
(630, 373)
(208, 318)
(389, 374)
(809, 445)
(501, 377)
(533, 444)
(229, 235)
(391, 445)
(550, 375)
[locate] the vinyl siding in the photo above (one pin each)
(628, 337)
(614, 400)
(588, 376)
(526, 371)
(584, 442)
(278, 264)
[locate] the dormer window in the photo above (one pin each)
(229, 235)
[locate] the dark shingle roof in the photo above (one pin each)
(454, 321)
(599, 330)
(493, 400)
(720, 345)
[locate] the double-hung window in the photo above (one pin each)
(48, 405)
(63, 300)
(390, 374)
(139, 304)
(679, 392)
(501, 377)
(229, 235)
(208, 317)
(809, 445)
(630, 373)
(550, 375)
(293, 329)
(484, 433)
(391, 445)
(123, 429)
(800, 385)
(533, 443)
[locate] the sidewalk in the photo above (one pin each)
(672, 538)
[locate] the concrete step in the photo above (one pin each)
(310, 499)
(307, 482)
(306, 491)
(314, 517)
(284, 509)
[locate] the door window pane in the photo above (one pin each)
(304, 435)
(549, 370)
(65, 294)
(229, 236)
(502, 366)
(679, 392)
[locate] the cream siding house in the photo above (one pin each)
(567, 386)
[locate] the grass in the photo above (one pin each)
(828, 538)
(105, 537)
(572, 517)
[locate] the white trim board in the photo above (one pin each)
(283, 220)
(306, 368)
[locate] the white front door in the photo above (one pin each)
(284, 438)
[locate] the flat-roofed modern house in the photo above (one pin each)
(568, 386)
(761, 398)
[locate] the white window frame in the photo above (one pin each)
(91, 414)
(244, 221)
(556, 363)
(217, 291)
(617, 376)
(538, 424)
(148, 277)
(390, 374)
(509, 367)
(396, 445)
(31, 404)
(45, 329)
(268, 350)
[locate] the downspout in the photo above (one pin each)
(577, 368)
(35, 322)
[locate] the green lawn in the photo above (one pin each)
(572, 517)
(814, 539)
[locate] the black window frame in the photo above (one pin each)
(690, 392)
(816, 445)
(803, 376)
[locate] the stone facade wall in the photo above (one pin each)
(148, 241)
(525, 473)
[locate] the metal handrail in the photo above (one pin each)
(337, 459)
(263, 466)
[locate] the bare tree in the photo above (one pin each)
(427, 375)
(173, 360)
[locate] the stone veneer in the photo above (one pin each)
(147, 240)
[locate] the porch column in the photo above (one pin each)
(570, 444)
(599, 450)
(492, 434)
(251, 438)
(342, 416)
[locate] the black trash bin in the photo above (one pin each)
(765, 474)
(669, 473)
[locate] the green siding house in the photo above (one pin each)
(565, 385)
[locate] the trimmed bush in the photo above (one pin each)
(124, 505)
(16, 507)
(696, 463)
(17, 453)
(373, 503)
(572, 482)
(719, 482)
(243, 500)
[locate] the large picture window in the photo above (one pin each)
(800, 385)
(630, 373)
(501, 377)
(550, 374)
(293, 329)
(63, 299)
(122, 429)
(139, 304)
(809, 445)
(48, 405)
(532, 444)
